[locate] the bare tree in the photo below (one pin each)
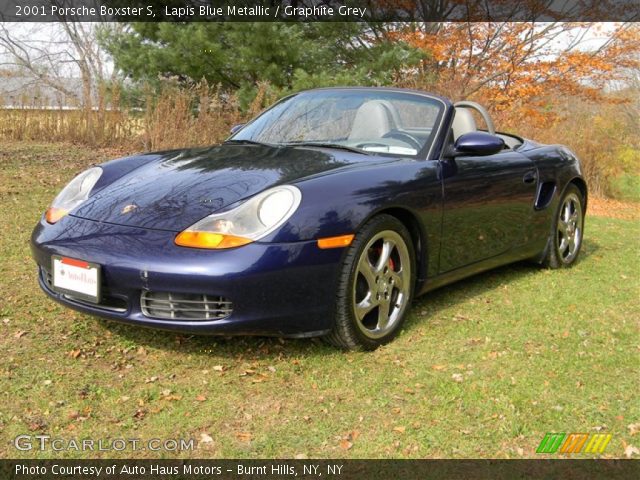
(48, 54)
(59, 56)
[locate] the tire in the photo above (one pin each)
(567, 230)
(369, 284)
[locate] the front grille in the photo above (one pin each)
(107, 302)
(184, 306)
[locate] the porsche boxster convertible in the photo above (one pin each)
(326, 216)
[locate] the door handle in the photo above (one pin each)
(530, 176)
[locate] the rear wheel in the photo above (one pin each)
(375, 287)
(567, 229)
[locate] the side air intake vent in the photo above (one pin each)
(545, 194)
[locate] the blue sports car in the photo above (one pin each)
(324, 216)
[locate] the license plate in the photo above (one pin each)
(76, 278)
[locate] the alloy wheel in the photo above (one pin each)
(569, 230)
(382, 285)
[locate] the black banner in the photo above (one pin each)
(307, 469)
(317, 10)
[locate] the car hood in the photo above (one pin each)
(176, 189)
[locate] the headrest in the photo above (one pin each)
(371, 121)
(463, 123)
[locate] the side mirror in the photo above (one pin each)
(237, 127)
(478, 143)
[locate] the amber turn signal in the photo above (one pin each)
(53, 214)
(335, 242)
(193, 239)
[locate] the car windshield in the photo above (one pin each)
(366, 121)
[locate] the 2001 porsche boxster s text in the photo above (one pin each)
(324, 216)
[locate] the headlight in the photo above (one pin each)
(76, 192)
(251, 221)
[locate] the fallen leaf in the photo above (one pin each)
(205, 438)
(218, 368)
(630, 450)
(301, 456)
(35, 426)
(399, 429)
(439, 367)
(74, 353)
(345, 444)
(272, 369)
(19, 334)
(633, 428)
(201, 398)
(243, 436)
(457, 377)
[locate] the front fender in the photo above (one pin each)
(340, 203)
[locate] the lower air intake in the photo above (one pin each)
(184, 306)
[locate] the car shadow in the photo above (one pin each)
(258, 348)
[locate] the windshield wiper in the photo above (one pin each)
(250, 142)
(325, 145)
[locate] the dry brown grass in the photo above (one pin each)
(200, 115)
(110, 127)
(173, 117)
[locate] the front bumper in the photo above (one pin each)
(283, 289)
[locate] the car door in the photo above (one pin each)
(488, 204)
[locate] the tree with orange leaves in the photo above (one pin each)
(519, 65)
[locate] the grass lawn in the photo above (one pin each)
(483, 368)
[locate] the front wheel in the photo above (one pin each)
(375, 287)
(567, 229)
